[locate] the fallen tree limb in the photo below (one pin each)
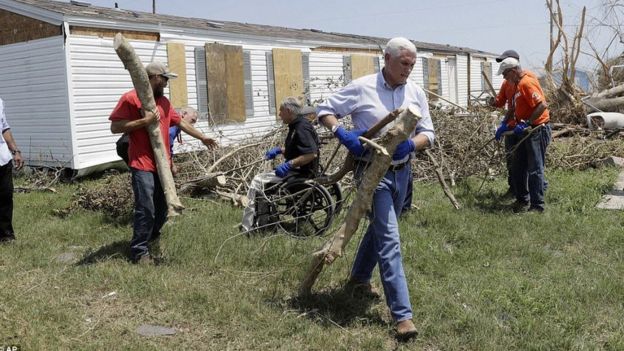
(349, 163)
(405, 123)
(140, 80)
(438, 171)
(209, 181)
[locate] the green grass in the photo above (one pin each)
(481, 278)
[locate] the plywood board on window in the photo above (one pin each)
(176, 60)
(216, 77)
(17, 28)
(235, 87)
(361, 65)
(288, 74)
(433, 70)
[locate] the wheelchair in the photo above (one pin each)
(299, 206)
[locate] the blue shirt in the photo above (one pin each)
(174, 131)
(370, 98)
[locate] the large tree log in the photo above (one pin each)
(333, 248)
(606, 104)
(610, 92)
(144, 91)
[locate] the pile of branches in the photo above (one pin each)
(464, 147)
(227, 172)
(112, 197)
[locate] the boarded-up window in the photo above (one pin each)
(287, 73)
(305, 68)
(176, 60)
(377, 64)
(249, 106)
(226, 82)
(361, 65)
(486, 68)
(346, 68)
(200, 79)
(432, 76)
(270, 82)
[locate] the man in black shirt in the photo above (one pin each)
(300, 152)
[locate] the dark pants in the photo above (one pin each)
(150, 211)
(407, 204)
(528, 168)
(510, 142)
(6, 201)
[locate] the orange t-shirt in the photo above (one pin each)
(140, 153)
(506, 94)
(528, 95)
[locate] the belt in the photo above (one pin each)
(400, 166)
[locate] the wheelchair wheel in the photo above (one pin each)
(304, 209)
(336, 193)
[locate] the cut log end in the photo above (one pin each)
(119, 39)
(174, 210)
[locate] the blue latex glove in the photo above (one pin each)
(350, 140)
(403, 149)
(501, 129)
(282, 169)
(272, 153)
(520, 127)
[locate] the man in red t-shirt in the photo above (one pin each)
(530, 110)
(150, 207)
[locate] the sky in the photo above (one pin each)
(487, 25)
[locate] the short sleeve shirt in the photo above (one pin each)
(301, 140)
(528, 95)
(140, 153)
(5, 153)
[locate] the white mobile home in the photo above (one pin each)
(62, 78)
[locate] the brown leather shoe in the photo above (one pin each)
(406, 330)
(362, 290)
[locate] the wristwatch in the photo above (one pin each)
(13, 152)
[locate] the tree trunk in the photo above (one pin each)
(144, 91)
(333, 248)
(613, 104)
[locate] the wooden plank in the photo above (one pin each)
(216, 77)
(176, 60)
(17, 28)
(110, 33)
(361, 65)
(433, 66)
(235, 86)
(288, 74)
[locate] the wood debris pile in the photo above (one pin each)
(464, 147)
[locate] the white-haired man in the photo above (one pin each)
(368, 100)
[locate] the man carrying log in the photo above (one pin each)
(533, 130)
(300, 152)
(150, 207)
(368, 100)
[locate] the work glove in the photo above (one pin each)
(403, 149)
(500, 130)
(520, 127)
(272, 153)
(350, 140)
(282, 169)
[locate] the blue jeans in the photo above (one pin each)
(381, 245)
(528, 168)
(150, 211)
